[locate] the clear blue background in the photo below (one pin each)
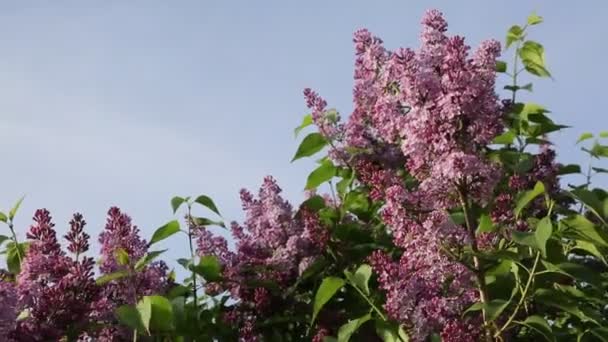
(129, 103)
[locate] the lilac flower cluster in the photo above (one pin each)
(438, 105)
(433, 112)
(8, 313)
(425, 288)
(56, 293)
(273, 245)
(120, 234)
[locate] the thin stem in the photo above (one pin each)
(481, 281)
(333, 193)
(587, 181)
(515, 73)
(131, 278)
(192, 256)
(374, 307)
(11, 227)
(523, 297)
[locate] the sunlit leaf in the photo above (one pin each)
(306, 121)
(325, 172)
(347, 330)
(207, 202)
(176, 202)
(328, 288)
(312, 143)
(165, 231)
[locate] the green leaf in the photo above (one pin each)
(485, 224)
(122, 257)
(360, 278)
(501, 66)
(23, 315)
(13, 252)
(435, 338)
(543, 232)
(144, 308)
(528, 196)
(580, 227)
(13, 211)
(356, 202)
(106, 278)
(540, 325)
(599, 151)
(494, 308)
(532, 55)
(524, 238)
(165, 231)
(390, 332)
(207, 202)
(306, 121)
(527, 86)
(161, 318)
(320, 175)
(505, 139)
(590, 200)
(534, 19)
(584, 136)
(568, 169)
(3, 238)
(129, 316)
(186, 263)
(176, 202)
(203, 221)
(599, 169)
(328, 288)
(3, 217)
(347, 330)
(590, 248)
(147, 259)
(312, 143)
(575, 271)
(604, 134)
(347, 180)
(563, 302)
(515, 33)
(536, 69)
(457, 217)
(477, 306)
(601, 333)
(314, 203)
(209, 268)
(178, 291)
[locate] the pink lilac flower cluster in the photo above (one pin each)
(121, 234)
(275, 244)
(437, 105)
(431, 112)
(8, 305)
(425, 288)
(327, 121)
(57, 293)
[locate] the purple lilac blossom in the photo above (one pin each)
(58, 293)
(274, 244)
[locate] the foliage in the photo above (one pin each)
(446, 221)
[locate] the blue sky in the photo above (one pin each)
(129, 103)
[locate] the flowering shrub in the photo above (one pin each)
(446, 220)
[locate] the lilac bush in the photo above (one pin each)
(445, 219)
